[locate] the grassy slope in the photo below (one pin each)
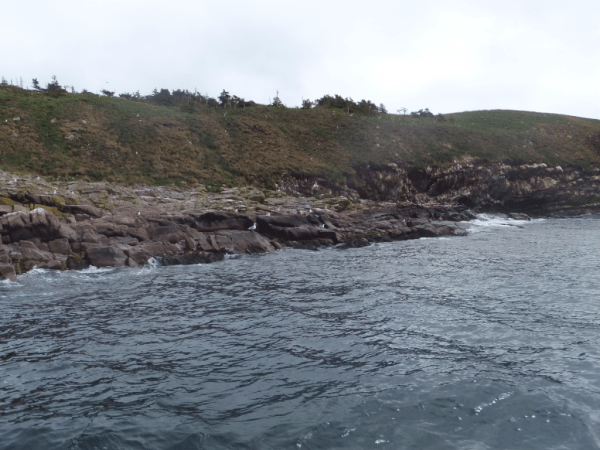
(128, 141)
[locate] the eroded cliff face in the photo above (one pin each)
(535, 189)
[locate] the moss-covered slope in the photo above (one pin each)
(124, 140)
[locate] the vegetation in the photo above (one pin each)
(186, 137)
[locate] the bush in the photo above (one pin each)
(307, 104)
(422, 113)
(54, 89)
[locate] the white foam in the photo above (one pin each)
(491, 221)
(153, 263)
(94, 269)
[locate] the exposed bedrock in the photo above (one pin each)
(534, 189)
(59, 229)
(40, 238)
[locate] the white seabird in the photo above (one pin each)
(252, 228)
(268, 214)
(139, 213)
(322, 225)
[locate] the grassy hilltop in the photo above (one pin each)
(85, 136)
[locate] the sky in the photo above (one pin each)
(448, 56)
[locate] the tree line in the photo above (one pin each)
(194, 101)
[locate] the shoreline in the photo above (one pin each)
(71, 226)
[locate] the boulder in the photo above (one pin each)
(138, 255)
(59, 246)
(238, 242)
(139, 233)
(170, 234)
(151, 248)
(105, 256)
(132, 263)
(7, 272)
(52, 265)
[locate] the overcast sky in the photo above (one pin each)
(446, 55)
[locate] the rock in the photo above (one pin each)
(132, 263)
(105, 256)
(152, 248)
(4, 255)
(52, 265)
(28, 244)
(59, 246)
(87, 210)
(239, 242)
(76, 263)
(139, 233)
(518, 216)
(7, 272)
(191, 258)
(213, 221)
(190, 243)
(170, 234)
(138, 255)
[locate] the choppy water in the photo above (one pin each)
(482, 342)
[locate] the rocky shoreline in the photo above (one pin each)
(70, 225)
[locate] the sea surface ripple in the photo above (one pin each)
(488, 341)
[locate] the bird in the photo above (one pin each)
(268, 214)
(236, 210)
(252, 228)
(139, 213)
(54, 189)
(322, 225)
(310, 211)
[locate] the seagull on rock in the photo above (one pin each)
(268, 214)
(252, 228)
(139, 213)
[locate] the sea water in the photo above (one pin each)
(488, 341)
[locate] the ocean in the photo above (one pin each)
(488, 341)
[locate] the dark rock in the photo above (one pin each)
(132, 263)
(88, 210)
(141, 234)
(191, 258)
(59, 246)
(170, 234)
(138, 255)
(7, 272)
(28, 244)
(239, 242)
(105, 256)
(152, 248)
(213, 221)
(75, 263)
(518, 216)
(52, 265)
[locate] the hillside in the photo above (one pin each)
(84, 136)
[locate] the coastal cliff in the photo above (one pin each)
(90, 180)
(72, 225)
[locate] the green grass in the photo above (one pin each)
(133, 141)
